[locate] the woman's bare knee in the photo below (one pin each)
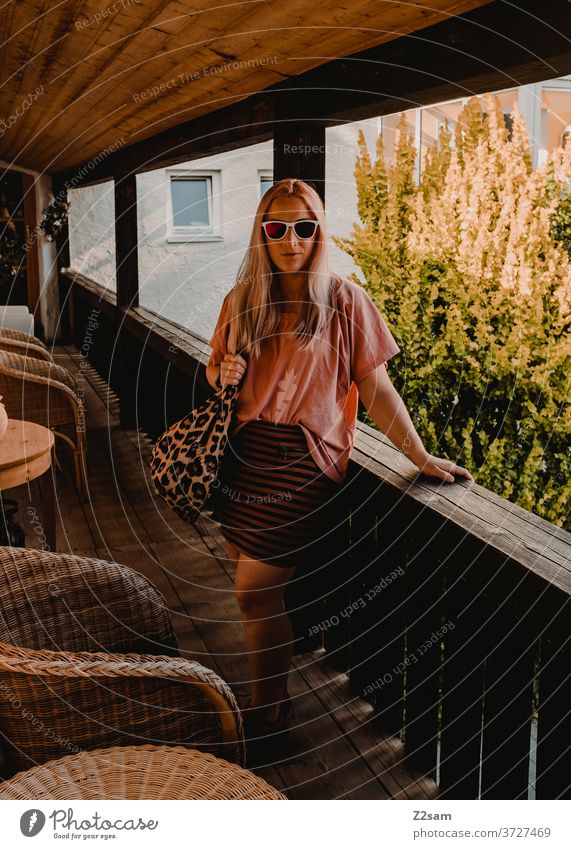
(259, 587)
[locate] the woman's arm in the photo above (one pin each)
(387, 409)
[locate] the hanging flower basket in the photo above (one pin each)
(54, 218)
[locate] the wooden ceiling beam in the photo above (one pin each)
(285, 41)
(91, 60)
(489, 48)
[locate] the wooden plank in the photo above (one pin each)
(421, 667)
(321, 763)
(553, 746)
(118, 504)
(144, 561)
(384, 754)
(462, 689)
(377, 622)
(454, 506)
(319, 589)
(342, 555)
(508, 705)
(511, 530)
(336, 562)
(128, 455)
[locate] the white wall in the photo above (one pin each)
(92, 232)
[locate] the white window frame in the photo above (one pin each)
(197, 232)
(263, 172)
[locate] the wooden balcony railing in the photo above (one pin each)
(448, 606)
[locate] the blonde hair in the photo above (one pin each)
(253, 314)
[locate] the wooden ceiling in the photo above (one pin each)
(83, 75)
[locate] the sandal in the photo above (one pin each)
(265, 737)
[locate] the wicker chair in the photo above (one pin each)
(25, 349)
(47, 394)
(139, 772)
(20, 336)
(88, 660)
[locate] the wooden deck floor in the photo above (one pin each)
(336, 751)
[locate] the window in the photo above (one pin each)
(194, 198)
(266, 180)
(565, 136)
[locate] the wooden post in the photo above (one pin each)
(424, 608)
(32, 264)
(553, 756)
(299, 151)
(64, 330)
(508, 703)
(126, 251)
(376, 616)
(462, 685)
(126, 241)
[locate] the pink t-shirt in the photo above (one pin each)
(315, 389)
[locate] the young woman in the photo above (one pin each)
(305, 345)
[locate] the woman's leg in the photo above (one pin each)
(268, 632)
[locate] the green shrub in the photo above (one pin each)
(471, 270)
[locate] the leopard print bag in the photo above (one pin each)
(186, 459)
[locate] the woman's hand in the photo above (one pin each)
(232, 369)
(439, 467)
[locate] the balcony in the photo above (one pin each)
(432, 663)
(432, 634)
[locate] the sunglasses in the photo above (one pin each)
(276, 230)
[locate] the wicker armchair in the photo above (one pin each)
(25, 349)
(47, 394)
(20, 336)
(88, 660)
(139, 772)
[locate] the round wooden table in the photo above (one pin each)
(138, 772)
(26, 454)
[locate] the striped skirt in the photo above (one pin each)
(271, 499)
